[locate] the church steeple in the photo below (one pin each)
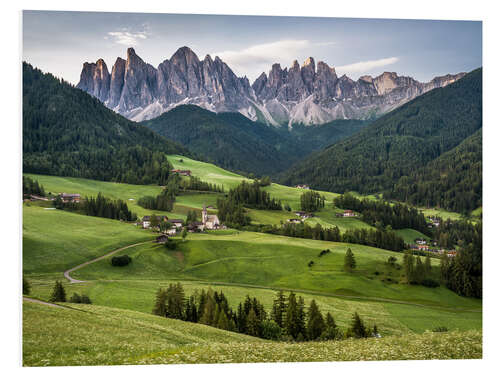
(204, 215)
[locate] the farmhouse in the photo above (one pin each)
(294, 221)
(66, 198)
(171, 231)
(209, 221)
(423, 247)
(349, 213)
(302, 187)
(146, 222)
(303, 215)
(182, 172)
(176, 222)
(196, 226)
(420, 241)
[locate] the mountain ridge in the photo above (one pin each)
(310, 94)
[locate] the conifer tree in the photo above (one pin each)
(58, 293)
(358, 327)
(409, 267)
(252, 324)
(349, 261)
(26, 286)
(279, 308)
(291, 326)
(301, 315)
(315, 322)
(160, 307)
(184, 234)
(428, 267)
(419, 271)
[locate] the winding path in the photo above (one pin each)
(73, 281)
(43, 302)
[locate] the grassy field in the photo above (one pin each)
(95, 335)
(409, 235)
(279, 262)
(55, 240)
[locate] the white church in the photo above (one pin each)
(209, 221)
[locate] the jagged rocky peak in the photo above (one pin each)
(308, 94)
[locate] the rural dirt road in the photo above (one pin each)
(73, 281)
(42, 302)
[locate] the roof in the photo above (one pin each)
(197, 223)
(146, 218)
(64, 195)
(175, 221)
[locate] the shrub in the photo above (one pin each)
(171, 244)
(440, 329)
(76, 298)
(58, 293)
(121, 261)
(26, 286)
(430, 283)
(270, 330)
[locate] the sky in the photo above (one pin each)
(60, 42)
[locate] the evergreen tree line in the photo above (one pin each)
(232, 213)
(383, 239)
(99, 206)
(417, 272)
(59, 295)
(166, 199)
(252, 196)
(289, 318)
(464, 273)
(195, 183)
(311, 201)
(382, 214)
(31, 186)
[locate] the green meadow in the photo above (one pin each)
(97, 335)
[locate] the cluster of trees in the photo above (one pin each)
(195, 183)
(106, 207)
(403, 143)
(163, 201)
(99, 206)
(252, 196)
(349, 261)
(464, 273)
(264, 181)
(289, 318)
(232, 213)
(383, 239)
(166, 199)
(192, 216)
(417, 272)
(76, 298)
(121, 260)
(382, 214)
(311, 201)
(31, 186)
(106, 147)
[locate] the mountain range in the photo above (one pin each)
(310, 94)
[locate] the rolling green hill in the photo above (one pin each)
(67, 132)
(401, 142)
(95, 335)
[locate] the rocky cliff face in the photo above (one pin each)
(307, 94)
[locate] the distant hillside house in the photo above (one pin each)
(302, 187)
(66, 198)
(420, 241)
(209, 221)
(423, 247)
(295, 221)
(348, 213)
(172, 231)
(146, 222)
(182, 172)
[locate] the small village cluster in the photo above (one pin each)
(208, 222)
(422, 244)
(65, 197)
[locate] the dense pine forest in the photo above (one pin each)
(401, 143)
(67, 132)
(452, 181)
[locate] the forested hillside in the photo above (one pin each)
(453, 181)
(69, 133)
(402, 142)
(232, 141)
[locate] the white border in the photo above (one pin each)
(10, 71)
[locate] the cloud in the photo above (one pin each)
(253, 60)
(365, 66)
(127, 38)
